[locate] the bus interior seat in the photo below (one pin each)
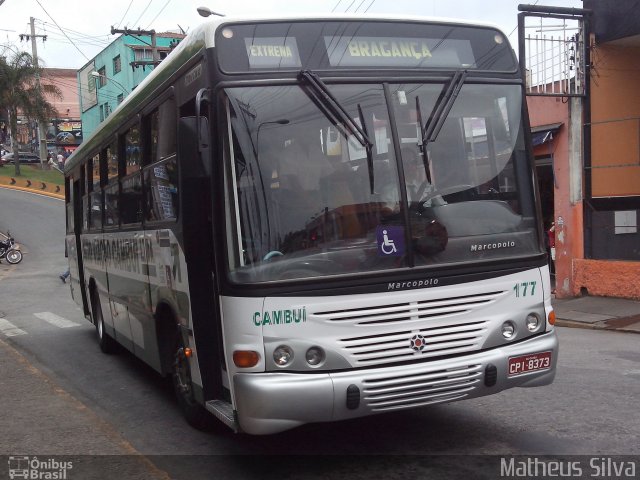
(291, 190)
(343, 197)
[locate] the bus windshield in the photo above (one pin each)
(306, 199)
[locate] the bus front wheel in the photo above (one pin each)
(195, 414)
(105, 342)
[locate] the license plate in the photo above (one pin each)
(529, 363)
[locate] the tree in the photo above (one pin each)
(22, 92)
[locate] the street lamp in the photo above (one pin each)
(97, 75)
(206, 11)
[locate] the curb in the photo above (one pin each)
(55, 191)
(593, 326)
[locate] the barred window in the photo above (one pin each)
(102, 78)
(117, 64)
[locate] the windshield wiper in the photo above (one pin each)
(325, 98)
(442, 108)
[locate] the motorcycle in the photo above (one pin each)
(10, 250)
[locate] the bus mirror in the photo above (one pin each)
(194, 157)
(204, 145)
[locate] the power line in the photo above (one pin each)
(80, 34)
(161, 10)
(125, 13)
(516, 27)
(52, 19)
(347, 9)
(58, 37)
(359, 5)
(336, 6)
(143, 12)
(370, 5)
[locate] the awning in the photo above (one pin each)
(544, 133)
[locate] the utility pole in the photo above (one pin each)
(155, 56)
(42, 134)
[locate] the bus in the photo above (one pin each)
(315, 219)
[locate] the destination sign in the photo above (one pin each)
(360, 44)
(398, 52)
(272, 52)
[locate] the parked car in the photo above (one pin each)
(25, 157)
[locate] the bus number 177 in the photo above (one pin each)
(522, 289)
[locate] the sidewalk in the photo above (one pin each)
(602, 313)
(41, 420)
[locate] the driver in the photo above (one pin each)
(415, 176)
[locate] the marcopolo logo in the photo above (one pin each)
(427, 282)
(38, 469)
(479, 247)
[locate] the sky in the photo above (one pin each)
(77, 31)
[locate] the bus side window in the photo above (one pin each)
(111, 205)
(131, 195)
(161, 169)
(112, 190)
(69, 203)
(95, 197)
(85, 173)
(160, 130)
(161, 190)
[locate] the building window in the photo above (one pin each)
(102, 79)
(120, 98)
(91, 82)
(117, 64)
(625, 221)
(101, 113)
(143, 54)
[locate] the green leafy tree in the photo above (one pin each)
(22, 92)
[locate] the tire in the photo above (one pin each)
(14, 256)
(105, 342)
(194, 413)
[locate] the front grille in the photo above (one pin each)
(402, 312)
(408, 391)
(412, 330)
(396, 346)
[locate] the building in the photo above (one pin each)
(64, 132)
(592, 147)
(106, 80)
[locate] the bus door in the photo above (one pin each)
(74, 248)
(195, 160)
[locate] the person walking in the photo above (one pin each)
(64, 275)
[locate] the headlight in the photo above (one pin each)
(508, 330)
(283, 355)
(315, 356)
(533, 322)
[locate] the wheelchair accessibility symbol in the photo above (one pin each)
(390, 241)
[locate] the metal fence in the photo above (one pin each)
(552, 51)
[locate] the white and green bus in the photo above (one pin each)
(315, 219)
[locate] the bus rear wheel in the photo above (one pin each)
(195, 414)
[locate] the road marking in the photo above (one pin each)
(8, 329)
(56, 320)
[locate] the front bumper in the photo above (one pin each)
(273, 402)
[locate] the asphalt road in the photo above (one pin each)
(591, 409)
